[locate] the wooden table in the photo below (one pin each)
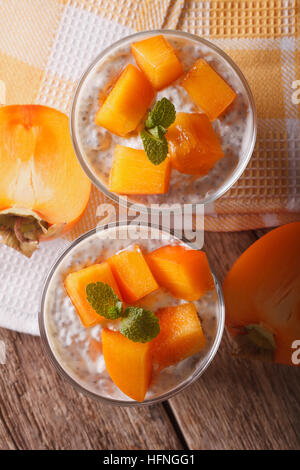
(236, 404)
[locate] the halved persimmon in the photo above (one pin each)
(43, 189)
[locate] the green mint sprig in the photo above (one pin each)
(163, 114)
(103, 300)
(156, 148)
(139, 325)
(153, 136)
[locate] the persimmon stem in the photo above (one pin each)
(256, 342)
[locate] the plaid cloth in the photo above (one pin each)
(46, 44)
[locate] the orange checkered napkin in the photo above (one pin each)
(46, 44)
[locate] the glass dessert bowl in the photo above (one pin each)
(81, 349)
(234, 127)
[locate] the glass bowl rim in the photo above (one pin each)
(63, 373)
(229, 182)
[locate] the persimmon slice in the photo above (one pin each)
(180, 335)
(157, 58)
(184, 273)
(194, 147)
(129, 364)
(208, 89)
(75, 284)
(133, 173)
(127, 102)
(132, 274)
(40, 174)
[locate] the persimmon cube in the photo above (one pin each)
(128, 364)
(194, 147)
(132, 274)
(184, 273)
(75, 284)
(127, 102)
(180, 336)
(208, 89)
(133, 173)
(156, 57)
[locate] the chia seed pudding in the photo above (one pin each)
(235, 128)
(70, 341)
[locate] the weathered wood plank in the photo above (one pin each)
(38, 410)
(239, 404)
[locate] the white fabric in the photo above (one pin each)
(21, 283)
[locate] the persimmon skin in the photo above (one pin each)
(263, 287)
(38, 166)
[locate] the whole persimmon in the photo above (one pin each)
(43, 189)
(262, 297)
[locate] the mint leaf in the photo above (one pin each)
(163, 114)
(158, 131)
(139, 325)
(103, 300)
(153, 136)
(155, 148)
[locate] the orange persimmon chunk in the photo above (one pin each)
(39, 169)
(180, 335)
(194, 147)
(132, 274)
(127, 102)
(133, 173)
(208, 89)
(75, 284)
(262, 296)
(156, 57)
(184, 273)
(128, 364)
